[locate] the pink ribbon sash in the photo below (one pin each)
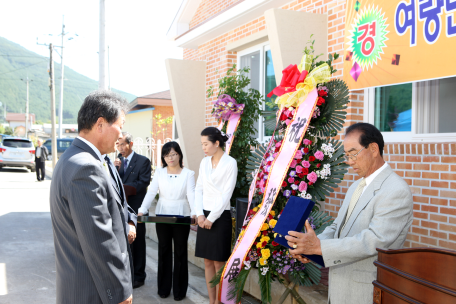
(233, 122)
(279, 168)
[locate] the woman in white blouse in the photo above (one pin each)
(215, 185)
(176, 185)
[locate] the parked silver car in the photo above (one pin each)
(17, 152)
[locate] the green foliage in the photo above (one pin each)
(235, 84)
(216, 279)
(17, 63)
(333, 115)
(8, 131)
(162, 124)
(2, 129)
(309, 50)
(236, 286)
(265, 286)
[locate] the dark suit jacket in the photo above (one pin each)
(138, 175)
(44, 154)
(90, 237)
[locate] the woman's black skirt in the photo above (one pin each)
(215, 243)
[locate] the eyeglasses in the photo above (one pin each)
(171, 155)
(353, 157)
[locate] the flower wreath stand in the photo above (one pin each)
(301, 159)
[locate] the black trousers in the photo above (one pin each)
(167, 278)
(40, 169)
(138, 252)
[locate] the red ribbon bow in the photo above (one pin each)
(290, 79)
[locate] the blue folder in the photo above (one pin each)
(293, 218)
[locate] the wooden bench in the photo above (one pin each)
(416, 275)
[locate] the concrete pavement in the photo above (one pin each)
(27, 265)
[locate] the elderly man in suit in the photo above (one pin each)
(135, 171)
(376, 213)
(41, 154)
(90, 217)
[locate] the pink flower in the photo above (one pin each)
(302, 187)
(305, 164)
(275, 155)
(298, 154)
(286, 112)
(298, 169)
(312, 177)
(262, 182)
(319, 155)
(307, 142)
(279, 144)
(288, 121)
(293, 163)
(291, 180)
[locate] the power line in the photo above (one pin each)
(23, 67)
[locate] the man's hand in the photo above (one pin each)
(128, 301)
(140, 214)
(131, 233)
(196, 220)
(117, 163)
(207, 224)
(303, 243)
(201, 220)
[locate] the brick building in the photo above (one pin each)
(268, 35)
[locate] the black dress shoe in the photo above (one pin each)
(178, 298)
(137, 284)
(163, 296)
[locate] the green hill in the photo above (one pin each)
(16, 63)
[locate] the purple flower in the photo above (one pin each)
(287, 193)
(292, 173)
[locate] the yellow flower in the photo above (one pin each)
(242, 233)
(264, 227)
(272, 213)
(255, 209)
(263, 262)
(259, 245)
(265, 239)
(259, 233)
(275, 235)
(272, 223)
(265, 253)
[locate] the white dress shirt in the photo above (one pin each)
(38, 152)
(177, 193)
(214, 188)
(371, 177)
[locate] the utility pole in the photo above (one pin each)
(27, 81)
(62, 67)
(102, 84)
(52, 88)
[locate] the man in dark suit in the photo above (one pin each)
(135, 171)
(90, 216)
(41, 154)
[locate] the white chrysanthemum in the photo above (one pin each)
(308, 196)
(247, 265)
(264, 270)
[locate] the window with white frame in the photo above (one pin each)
(420, 111)
(262, 78)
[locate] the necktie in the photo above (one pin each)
(354, 199)
(108, 161)
(125, 165)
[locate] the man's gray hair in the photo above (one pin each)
(127, 137)
(101, 103)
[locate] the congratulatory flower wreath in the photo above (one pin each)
(315, 170)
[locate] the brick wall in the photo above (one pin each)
(426, 167)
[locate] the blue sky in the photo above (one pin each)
(136, 36)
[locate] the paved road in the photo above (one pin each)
(27, 266)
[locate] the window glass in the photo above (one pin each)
(252, 61)
(447, 105)
(269, 85)
(14, 143)
(64, 144)
(393, 108)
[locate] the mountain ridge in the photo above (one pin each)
(16, 63)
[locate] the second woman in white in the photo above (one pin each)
(216, 182)
(176, 185)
